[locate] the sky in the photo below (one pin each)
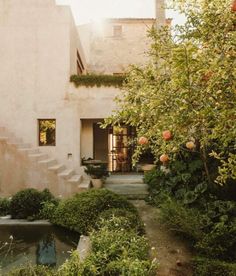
(92, 10)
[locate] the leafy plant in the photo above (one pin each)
(80, 212)
(187, 88)
(219, 243)
(183, 220)
(211, 267)
(28, 202)
(116, 251)
(4, 206)
(122, 218)
(96, 171)
(31, 270)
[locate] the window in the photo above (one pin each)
(117, 30)
(47, 132)
(80, 66)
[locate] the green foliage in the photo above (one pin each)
(220, 243)
(116, 251)
(122, 218)
(4, 206)
(183, 220)
(188, 87)
(209, 267)
(80, 212)
(48, 209)
(30, 270)
(184, 179)
(72, 266)
(97, 171)
(28, 202)
(97, 80)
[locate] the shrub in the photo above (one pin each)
(122, 218)
(208, 267)
(219, 243)
(116, 251)
(30, 270)
(72, 266)
(185, 221)
(27, 203)
(4, 206)
(48, 209)
(80, 212)
(131, 267)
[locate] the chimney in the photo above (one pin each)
(160, 13)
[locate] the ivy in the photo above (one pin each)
(92, 80)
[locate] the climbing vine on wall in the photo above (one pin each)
(93, 80)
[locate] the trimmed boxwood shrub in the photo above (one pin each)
(80, 212)
(27, 203)
(4, 206)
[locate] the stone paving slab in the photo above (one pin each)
(23, 222)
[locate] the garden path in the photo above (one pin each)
(173, 254)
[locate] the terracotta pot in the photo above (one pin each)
(97, 183)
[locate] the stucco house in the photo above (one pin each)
(47, 124)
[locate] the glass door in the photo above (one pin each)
(120, 150)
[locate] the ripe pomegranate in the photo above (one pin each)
(190, 145)
(143, 140)
(166, 135)
(233, 7)
(164, 158)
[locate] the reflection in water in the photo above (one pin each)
(46, 251)
(45, 245)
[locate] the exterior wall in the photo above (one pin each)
(160, 12)
(37, 56)
(92, 104)
(107, 53)
(38, 53)
(17, 172)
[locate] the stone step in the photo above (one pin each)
(57, 168)
(84, 186)
(3, 138)
(66, 174)
(76, 178)
(124, 179)
(2, 129)
(48, 162)
(19, 145)
(38, 156)
(128, 187)
(29, 150)
(139, 191)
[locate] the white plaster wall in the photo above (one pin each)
(37, 56)
(94, 102)
(108, 54)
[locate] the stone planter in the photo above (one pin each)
(147, 167)
(97, 183)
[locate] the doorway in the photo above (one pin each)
(120, 148)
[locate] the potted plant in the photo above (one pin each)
(98, 173)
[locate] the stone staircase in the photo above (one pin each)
(128, 185)
(69, 181)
